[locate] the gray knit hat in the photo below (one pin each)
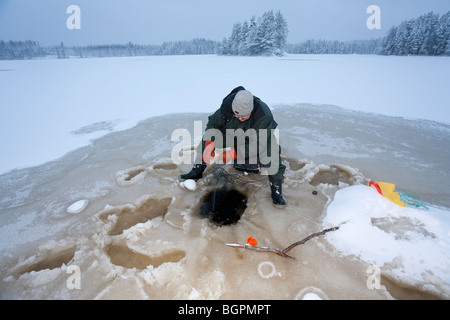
(243, 103)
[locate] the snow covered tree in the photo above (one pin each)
(431, 42)
(389, 42)
(402, 37)
(426, 35)
(242, 50)
(251, 34)
(281, 32)
(224, 47)
(235, 39)
(336, 47)
(423, 35)
(61, 51)
(263, 40)
(443, 35)
(265, 35)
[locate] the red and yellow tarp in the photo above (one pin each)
(387, 190)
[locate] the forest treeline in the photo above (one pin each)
(428, 34)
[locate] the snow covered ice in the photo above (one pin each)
(99, 143)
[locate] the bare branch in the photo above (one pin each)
(282, 253)
(309, 238)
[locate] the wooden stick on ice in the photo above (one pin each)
(280, 252)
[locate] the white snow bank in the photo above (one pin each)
(410, 244)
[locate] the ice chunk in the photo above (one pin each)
(78, 207)
(189, 184)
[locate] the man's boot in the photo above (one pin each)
(195, 174)
(277, 195)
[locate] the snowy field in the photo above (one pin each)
(50, 107)
(87, 180)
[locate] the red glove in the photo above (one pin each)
(208, 153)
(229, 155)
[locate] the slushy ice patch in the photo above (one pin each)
(121, 255)
(131, 176)
(332, 176)
(126, 217)
(165, 166)
(129, 216)
(223, 206)
(48, 259)
(294, 164)
(134, 173)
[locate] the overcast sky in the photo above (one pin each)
(156, 21)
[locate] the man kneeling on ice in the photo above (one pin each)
(245, 124)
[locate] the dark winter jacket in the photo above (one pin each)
(261, 118)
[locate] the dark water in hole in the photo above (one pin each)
(223, 206)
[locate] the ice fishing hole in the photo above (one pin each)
(223, 206)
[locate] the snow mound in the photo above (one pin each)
(408, 245)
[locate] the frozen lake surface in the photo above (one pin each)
(94, 185)
(50, 107)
